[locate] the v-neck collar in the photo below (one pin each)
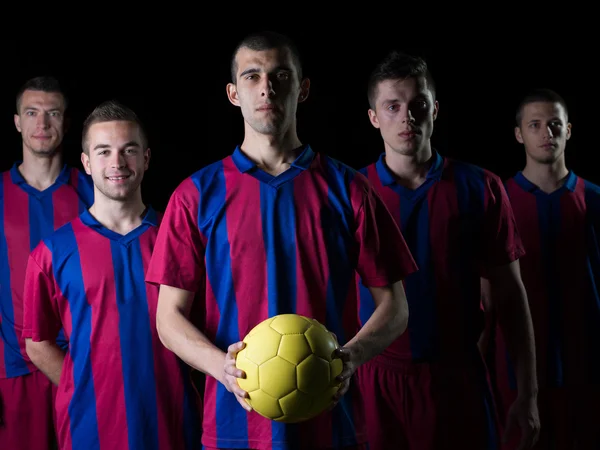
(528, 186)
(247, 166)
(150, 219)
(18, 179)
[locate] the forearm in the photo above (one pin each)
(180, 336)
(386, 324)
(515, 322)
(48, 357)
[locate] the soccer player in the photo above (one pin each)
(118, 386)
(429, 389)
(275, 228)
(558, 217)
(37, 195)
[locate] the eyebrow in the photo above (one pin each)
(257, 70)
(37, 108)
(419, 96)
(538, 119)
(128, 144)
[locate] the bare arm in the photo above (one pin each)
(47, 356)
(509, 303)
(180, 336)
(489, 315)
(511, 308)
(388, 321)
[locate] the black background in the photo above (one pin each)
(176, 82)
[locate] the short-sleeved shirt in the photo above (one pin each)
(259, 245)
(120, 387)
(28, 215)
(458, 224)
(561, 273)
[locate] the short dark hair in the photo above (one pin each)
(108, 111)
(539, 95)
(397, 65)
(44, 83)
(267, 40)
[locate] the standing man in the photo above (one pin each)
(118, 386)
(558, 216)
(37, 195)
(429, 389)
(276, 228)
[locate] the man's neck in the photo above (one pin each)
(40, 172)
(410, 170)
(273, 154)
(547, 177)
(118, 216)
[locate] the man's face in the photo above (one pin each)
(544, 131)
(41, 121)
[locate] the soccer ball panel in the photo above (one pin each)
(294, 348)
(277, 377)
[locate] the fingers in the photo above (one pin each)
(342, 353)
(234, 348)
(244, 404)
(341, 391)
(345, 374)
(232, 370)
(240, 395)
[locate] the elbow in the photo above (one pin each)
(33, 351)
(402, 319)
(402, 312)
(163, 329)
(160, 330)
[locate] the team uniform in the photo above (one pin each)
(28, 215)
(120, 388)
(430, 388)
(561, 271)
(257, 245)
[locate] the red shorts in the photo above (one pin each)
(27, 412)
(427, 406)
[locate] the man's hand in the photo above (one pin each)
(523, 413)
(232, 373)
(350, 357)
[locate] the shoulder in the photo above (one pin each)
(202, 179)
(591, 189)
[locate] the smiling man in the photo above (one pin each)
(118, 386)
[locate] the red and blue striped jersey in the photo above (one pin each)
(561, 273)
(457, 224)
(28, 215)
(259, 245)
(120, 388)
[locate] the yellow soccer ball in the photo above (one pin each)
(290, 369)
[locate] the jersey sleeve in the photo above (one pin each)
(383, 255)
(41, 315)
(501, 241)
(178, 256)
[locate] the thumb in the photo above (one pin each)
(342, 353)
